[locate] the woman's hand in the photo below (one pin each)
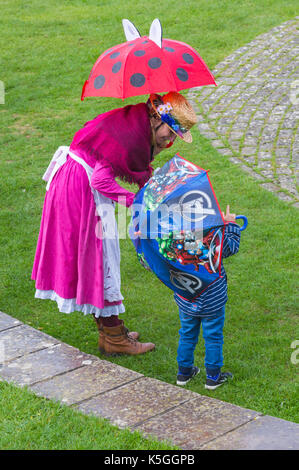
(228, 217)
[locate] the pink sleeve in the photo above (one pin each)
(103, 180)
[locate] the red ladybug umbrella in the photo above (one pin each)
(145, 65)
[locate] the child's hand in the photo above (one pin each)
(228, 217)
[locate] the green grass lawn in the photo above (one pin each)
(47, 52)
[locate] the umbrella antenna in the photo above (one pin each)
(131, 32)
(155, 33)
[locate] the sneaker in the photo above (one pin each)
(183, 379)
(214, 382)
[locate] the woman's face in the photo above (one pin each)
(162, 136)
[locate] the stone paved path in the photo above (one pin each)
(57, 371)
(252, 115)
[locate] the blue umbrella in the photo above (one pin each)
(180, 227)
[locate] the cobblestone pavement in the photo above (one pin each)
(252, 115)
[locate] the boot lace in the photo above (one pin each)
(132, 340)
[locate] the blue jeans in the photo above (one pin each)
(212, 331)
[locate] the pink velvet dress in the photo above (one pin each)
(75, 264)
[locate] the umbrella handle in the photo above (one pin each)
(245, 221)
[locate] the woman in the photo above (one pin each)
(77, 260)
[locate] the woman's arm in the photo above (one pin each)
(103, 180)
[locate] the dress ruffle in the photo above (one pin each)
(70, 305)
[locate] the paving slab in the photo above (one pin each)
(43, 364)
(7, 321)
(197, 422)
(86, 382)
(264, 433)
(23, 339)
(135, 402)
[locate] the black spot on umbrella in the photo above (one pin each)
(137, 80)
(132, 44)
(188, 58)
(116, 67)
(144, 42)
(155, 63)
(182, 74)
(169, 49)
(99, 82)
(139, 53)
(114, 55)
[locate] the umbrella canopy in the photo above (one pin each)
(145, 65)
(180, 227)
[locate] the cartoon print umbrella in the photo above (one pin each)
(180, 227)
(145, 65)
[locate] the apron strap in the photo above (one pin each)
(59, 159)
(88, 169)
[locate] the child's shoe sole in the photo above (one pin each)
(194, 373)
(221, 380)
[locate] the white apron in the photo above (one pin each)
(111, 251)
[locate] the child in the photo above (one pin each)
(207, 310)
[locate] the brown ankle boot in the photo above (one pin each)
(116, 340)
(133, 334)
